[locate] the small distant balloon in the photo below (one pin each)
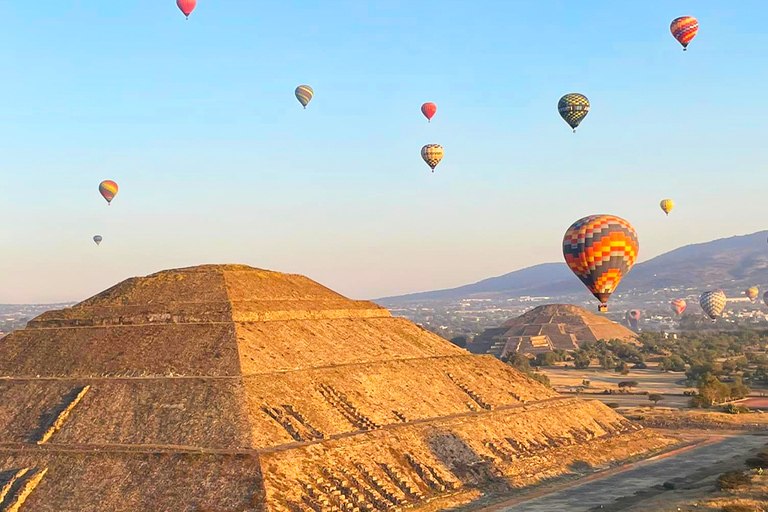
(108, 190)
(601, 250)
(684, 29)
(667, 205)
(98, 239)
(186, 6)
(713, 303)
(429, 110)
(752, 293)
(304, 94)
(573, 108)
(432, 154)
(678, 306)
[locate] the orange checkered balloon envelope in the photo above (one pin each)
(678, 306)
(600, 250)
(684, 29)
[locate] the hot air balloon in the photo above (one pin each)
(684, 29)
(429, 109)
(186, 6)
(432, 154)
(765, 298)
(108, 190)
(573, 108)
(678, 306)
(600, 250)
(713, 303)
(667, 205)
(633, 317)
(304, 94)
(753, 292)
(98, 239)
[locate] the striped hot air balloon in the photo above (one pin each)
(667, 205)
(600, 250)
(108, 190)
(432, 154)
(429, 110)
(753, 293)
(678, 306)
(713, 303)
(573, 109)
(98, 239)
(186, 6)
(304, 94)
(684, 29)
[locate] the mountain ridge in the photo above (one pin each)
(724, 263)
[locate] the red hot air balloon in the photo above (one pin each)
(186, 6)
(684, 29)
(108, 190)
(429, 109)
(678, 306)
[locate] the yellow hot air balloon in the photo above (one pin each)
(753, 293)
(432, 154)
(667, 205)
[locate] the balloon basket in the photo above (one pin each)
(602, 308)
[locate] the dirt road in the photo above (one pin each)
(604, 489)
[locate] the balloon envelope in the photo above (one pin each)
(713, 303)
(304, 94)
(98, 239)
(684, 29)
(108, 190)
(765, 298)
(186, 6)
(678, 306)
(573, 108)
(429, 110)
(667, 205)
(432, 154)
(600, 250)
(753, 293)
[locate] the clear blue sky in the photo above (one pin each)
(217, 162)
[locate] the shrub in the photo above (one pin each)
(640, 366)
(733, 480)
(736, 409)
(655, 398)
(699, 402)
(736, 507)
(613, 405)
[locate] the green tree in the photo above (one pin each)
(581, 360)
(628, 384)
(738, 389)
(655, 398)
(546, 359)
(519, 362)
(607, 362)
(712, 391)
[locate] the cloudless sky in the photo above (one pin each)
(217, 162)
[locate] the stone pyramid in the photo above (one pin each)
(228, 388)
(549, 327)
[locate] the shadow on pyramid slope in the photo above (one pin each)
(229, 388)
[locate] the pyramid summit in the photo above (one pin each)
(230, 388)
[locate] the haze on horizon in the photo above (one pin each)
(217, 162)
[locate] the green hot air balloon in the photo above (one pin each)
(573, 109)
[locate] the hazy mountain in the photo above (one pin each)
(729, 263)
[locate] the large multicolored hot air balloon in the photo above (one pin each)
(678, 306)
(667, 205)
(573, 108)
(98, 239)
(684, 29)
(713, 303)
(304, 94)
(432, 154)
(753, 293)
(186, 6)
(108, 190)
(429, 109)
(600, 250)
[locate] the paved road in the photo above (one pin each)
(605, 491)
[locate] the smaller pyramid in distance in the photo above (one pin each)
(549, 327)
